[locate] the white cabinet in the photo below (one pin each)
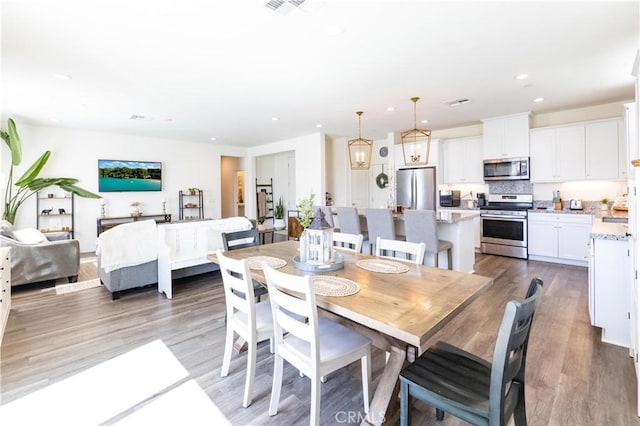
(506, 136)
(609, 304)
(557, 154)
(582, 151)
(559, 238)
(602, 150)
(5, 288)
(462, 160)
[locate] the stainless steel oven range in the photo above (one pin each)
(504, 225)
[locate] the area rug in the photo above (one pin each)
(81, 285)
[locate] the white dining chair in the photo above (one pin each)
(350, 242)
(421, 226)
(316, 347)
(411, 251)
(250, 320)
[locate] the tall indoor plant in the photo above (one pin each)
(29, 183)
(278, 222)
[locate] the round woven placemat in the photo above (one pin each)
(382, 266)
(326, 285)
(255, 262)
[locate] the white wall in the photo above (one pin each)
(75, 153)
(310, 175)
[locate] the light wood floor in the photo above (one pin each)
(573, 378)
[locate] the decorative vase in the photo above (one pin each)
(261, 227)
(604, 206)
(278, 224)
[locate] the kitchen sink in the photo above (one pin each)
(611, 219)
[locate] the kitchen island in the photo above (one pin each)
(458, 228)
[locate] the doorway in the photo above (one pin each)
(232, 187)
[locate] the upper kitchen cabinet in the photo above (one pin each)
(462, 160)
(602, 146)
(506, 136)
(581, 151)
(557, 154)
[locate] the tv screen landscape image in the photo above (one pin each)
(117, 176)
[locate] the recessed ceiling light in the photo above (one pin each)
(53, 120)
(319, 126)
(521, 76)
(62, 77)
(275, 118)
(391, 108)
(538, 100)
(334, 30)
(424, 121)
(214, 139)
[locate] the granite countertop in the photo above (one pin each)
(448, 217)
(596, 213)
(609, 231)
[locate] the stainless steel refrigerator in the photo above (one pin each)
(416, 188)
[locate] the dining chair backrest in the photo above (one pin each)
(292, 297)
(238, 288)
(349, 220)
(346, 241)
(421, 226)
(510, 353)
(328, 214)
(240, 239)
(411, 251)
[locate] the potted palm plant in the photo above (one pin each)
(29, 183)
(278, 223)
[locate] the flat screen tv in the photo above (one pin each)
(118, 175)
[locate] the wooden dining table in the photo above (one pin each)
(399, 312)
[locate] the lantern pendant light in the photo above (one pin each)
(360, 150)
(416, 143)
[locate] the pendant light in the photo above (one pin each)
(416, 143)
(360, 150)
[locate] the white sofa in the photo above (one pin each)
(141, 253)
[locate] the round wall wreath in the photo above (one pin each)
(382, 180)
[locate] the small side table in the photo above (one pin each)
(264, 232)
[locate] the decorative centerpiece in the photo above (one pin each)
(316, 242)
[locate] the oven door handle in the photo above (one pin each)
(505, 217)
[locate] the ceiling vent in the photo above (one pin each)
(457, 102)
(284, 6)
(139, 117)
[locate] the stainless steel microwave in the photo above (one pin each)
(506, 169)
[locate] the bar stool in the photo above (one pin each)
(349, 221)
(420, 227)
(380, 224)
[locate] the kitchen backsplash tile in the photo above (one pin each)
(511, 187)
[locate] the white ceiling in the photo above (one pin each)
(199, 69)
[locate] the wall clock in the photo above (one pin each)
(384, 151)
